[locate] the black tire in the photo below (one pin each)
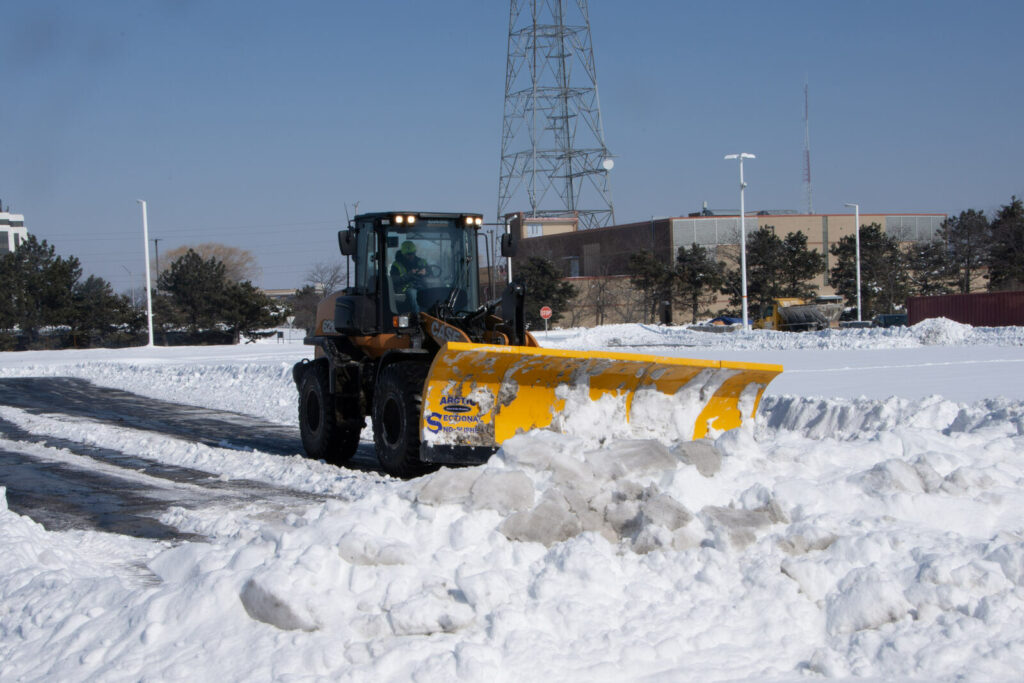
(396, 419)
(325, 436)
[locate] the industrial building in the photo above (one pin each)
(604, 252)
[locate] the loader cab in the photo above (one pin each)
(445, 244)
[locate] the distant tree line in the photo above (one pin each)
(46, 304)
(968, 252)
(776, 267)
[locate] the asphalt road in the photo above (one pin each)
(62, 496)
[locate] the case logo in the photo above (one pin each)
(442, 332)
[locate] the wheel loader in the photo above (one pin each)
(445, 377)
(801, 315)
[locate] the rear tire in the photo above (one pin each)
(396, 419)
(325, 436)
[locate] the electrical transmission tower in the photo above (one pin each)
(553, 158)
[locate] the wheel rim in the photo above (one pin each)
(392, 422)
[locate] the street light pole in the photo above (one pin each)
(149, 293)
(856, 239)
(743, 235)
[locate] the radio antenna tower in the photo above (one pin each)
(554, 161)
(807, 150)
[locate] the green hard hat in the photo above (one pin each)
(408, 247)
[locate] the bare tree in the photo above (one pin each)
(577, 307)
(602, 292)
(239, 264)
(627, 304)
(326, 277)
(595, 301)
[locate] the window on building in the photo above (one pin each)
(534, 229)
(572, 266)
(5, 245)
(913, 228)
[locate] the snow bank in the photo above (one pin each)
(770, 552)
(931, 332)
(252, 381)
(877, 538)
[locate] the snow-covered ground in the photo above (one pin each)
(869, 523)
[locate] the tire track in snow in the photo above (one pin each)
(46, 479)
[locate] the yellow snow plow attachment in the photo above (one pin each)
(477, 395)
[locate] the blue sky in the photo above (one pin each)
(254, 124)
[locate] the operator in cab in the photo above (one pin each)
(406, 274)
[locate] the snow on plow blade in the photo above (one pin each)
(477, 395)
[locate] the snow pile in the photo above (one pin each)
(549, 488)
(898, 553)
(941, 332)
(833, 536)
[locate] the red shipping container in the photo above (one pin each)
(991, 309)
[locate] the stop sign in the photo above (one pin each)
(545, 312)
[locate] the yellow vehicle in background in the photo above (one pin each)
(802, 315)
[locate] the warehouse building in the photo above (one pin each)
(604, 252)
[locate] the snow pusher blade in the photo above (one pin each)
(477, 395)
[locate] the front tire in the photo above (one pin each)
(325, 436)
(396, 419)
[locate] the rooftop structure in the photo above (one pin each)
(12, 231)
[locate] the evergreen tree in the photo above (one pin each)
(198, 294)
(248, 311)
(930, 269)
(765, 258)
(800, 266)
(37, 288)
(697, 277)
(883, 271)
(101, 317)
(653, 279)
(197, 290)
(968, 238)
(775, 268)
(1006, 260)
(544, 287)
